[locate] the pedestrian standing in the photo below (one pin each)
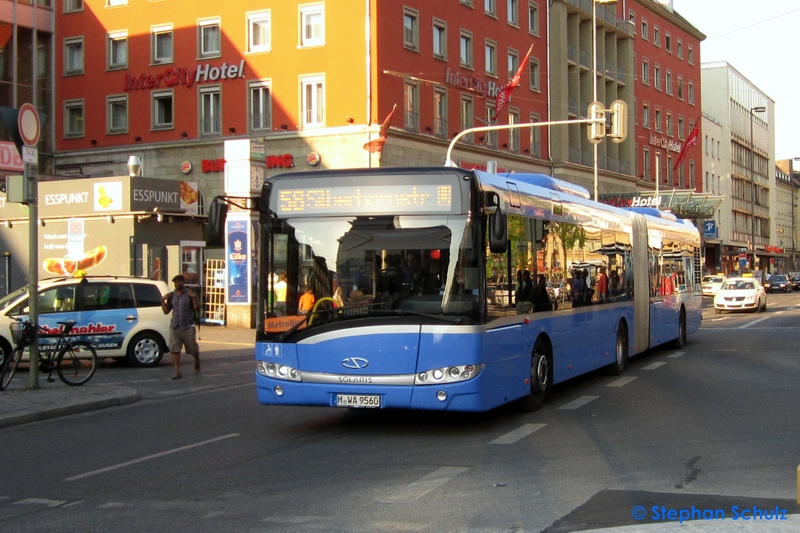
(183, 304)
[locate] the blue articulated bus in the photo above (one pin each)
(395, 287)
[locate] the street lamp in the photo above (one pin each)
(594, 74)
(753, 110)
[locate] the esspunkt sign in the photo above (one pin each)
(173, 76)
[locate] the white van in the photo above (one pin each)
(120, 316)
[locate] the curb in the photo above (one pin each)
(67, 410)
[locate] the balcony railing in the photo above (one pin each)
(260, 121)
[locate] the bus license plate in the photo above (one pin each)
(357, 400)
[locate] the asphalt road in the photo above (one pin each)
(713, 426)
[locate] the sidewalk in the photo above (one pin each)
(19, 405)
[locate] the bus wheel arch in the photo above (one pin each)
(621, 349)
(541, 374)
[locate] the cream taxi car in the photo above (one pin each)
(711, 283)
(740, 294)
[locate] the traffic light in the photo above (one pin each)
(596, 131)
(619, 121)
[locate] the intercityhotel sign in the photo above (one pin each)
(472, 83)
(666, 143)
(173, 76)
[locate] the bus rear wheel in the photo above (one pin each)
(620, 352)
(541, 377)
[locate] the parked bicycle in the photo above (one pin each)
(74, 361)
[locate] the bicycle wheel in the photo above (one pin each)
(10, 366)
(76, 363)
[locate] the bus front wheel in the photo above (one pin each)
(620, 351)
(541, 378)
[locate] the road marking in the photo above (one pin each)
(146, 380)
(147, 458)
(424, 485)
(41, 501)
(520, 433)
(676, 355)
(653, 366)
(621, 381)
(754, 322)
(291, 519)
(111, 505)
(578, 403)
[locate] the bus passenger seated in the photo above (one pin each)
(307, 300)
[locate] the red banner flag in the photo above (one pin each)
(691, 140)
(377, 144)
(505, 92)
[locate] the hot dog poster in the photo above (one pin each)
(65, 249)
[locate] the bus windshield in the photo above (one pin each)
(340, 268)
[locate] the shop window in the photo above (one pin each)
(162, 50)
(210, 111)
(260, 104)
(312, 25)
(259, 32)
(208, 35)
(73, 56)
(73, 118)
(157, 262)
(117, 113)
(117, 50)
(191, 261)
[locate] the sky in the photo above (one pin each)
(762, 41)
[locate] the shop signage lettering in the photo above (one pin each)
(161, 197)
(66, 198)
(9, 157)
(212, 165)
(665, 143)
(472, 83)
(183, 76)
(280, 161)
(636, 201)
(773, 249)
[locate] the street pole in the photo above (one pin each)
(594, 85)
(753, 110)
(31, 176)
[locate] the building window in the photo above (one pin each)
(646, 164)
(410, 28)
(313, 101)
(513, 134)
(113, 3)
(210, 111)
(490, 53)
(690, 90)
(163, 110)
(162, 44)
(73, 118)
(513, 62)
(70, 6)
(656, 36)
(411, 102)
(208, 38)
(679, 49)
(645, 72)
(645, 115)
(680, 88)
(533, 18)
(465, 49)
(668, 42)
(536, 137)
(534, 74)
(467, 3)
(658, 120)
(632, 17)
(669, 124)
(260, 105)
(490, 7)
(117, 114)
(117, 50)
(657, 77)
(680, 128)
(467, 115)
(259, 31)
(670, 178)
(73, 56)
(690, 55)
(490, 138)
(644, 29)
(439, 39)
(312, 25)
(668, 82)
(513, 12)
(691, 175)
(440, 112)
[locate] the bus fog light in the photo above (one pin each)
(261, 368)
(278, 390)
(271, 368)
(423, 376)
(469, 368)
(441, 395)
(438, 374)
(453, 372)
(294, 373)
(464, 375)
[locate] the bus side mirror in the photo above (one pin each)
(498, 232)
(217, 213)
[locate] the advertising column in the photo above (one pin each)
(244, 177)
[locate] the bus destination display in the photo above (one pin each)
(366, 199)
